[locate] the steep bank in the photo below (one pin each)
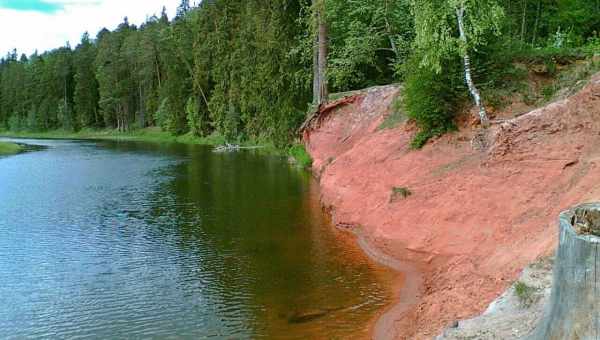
(475, 217)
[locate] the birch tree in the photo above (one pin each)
(445, 28)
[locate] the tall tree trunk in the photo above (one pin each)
(158, 75)
(142, 117)
(508, 13)
(388, 29)
(316, 78)
(485, 122)
(66, 108)
(323, 51)
(523, 20)
(537, 22)
(320, 84)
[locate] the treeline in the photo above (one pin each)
(240, 68)
(244, 68)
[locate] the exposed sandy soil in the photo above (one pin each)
(476, 216)
(511, 316)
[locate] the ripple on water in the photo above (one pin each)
(129, 240)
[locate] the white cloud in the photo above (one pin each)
(28, 31)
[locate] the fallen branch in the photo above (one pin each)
(234, 147)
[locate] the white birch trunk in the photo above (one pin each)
(460, 13)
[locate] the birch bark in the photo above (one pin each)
(460, 14)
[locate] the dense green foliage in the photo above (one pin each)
(242, 69)
(498, 34)
(431, 99)
(300, 156)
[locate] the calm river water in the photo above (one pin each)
(133, 240)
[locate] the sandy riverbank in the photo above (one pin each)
(475, 217)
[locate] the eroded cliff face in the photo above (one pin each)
(476, 216)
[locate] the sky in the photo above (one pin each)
(30, 25)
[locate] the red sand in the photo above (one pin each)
(475, 218)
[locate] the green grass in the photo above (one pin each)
(152, 135)
(525, 294)
(7, 149)
(156, 135)
(146, 135)
(399, 193)
(340, 95)
(301, 157)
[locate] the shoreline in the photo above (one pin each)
(10, 149)
(406, 289)
(147, 135)
(150, 135)
(463, 233)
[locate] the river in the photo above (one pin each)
(102, 239)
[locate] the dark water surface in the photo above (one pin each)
(131, 240)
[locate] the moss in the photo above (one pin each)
(9, 149)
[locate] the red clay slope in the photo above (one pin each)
(475, 218)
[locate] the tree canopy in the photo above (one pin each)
(243, 68)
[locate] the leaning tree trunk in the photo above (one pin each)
(574, 309)
(460, 14)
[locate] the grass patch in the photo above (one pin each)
(399, 193)
(525, 294)
(340, 95)
(7, 149)
(299, 154)
(151, 135)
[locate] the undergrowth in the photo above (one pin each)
(433, 99)
(399, 193)
(525, 294)
(300, 155)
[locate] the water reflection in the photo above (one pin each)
(129, 240)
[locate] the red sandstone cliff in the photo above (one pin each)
(475, 217)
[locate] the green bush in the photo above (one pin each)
(432, 99)
(525, 294)
(299, 154)
(399, 193)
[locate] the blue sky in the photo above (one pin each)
(30, 25)
(31, 5)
